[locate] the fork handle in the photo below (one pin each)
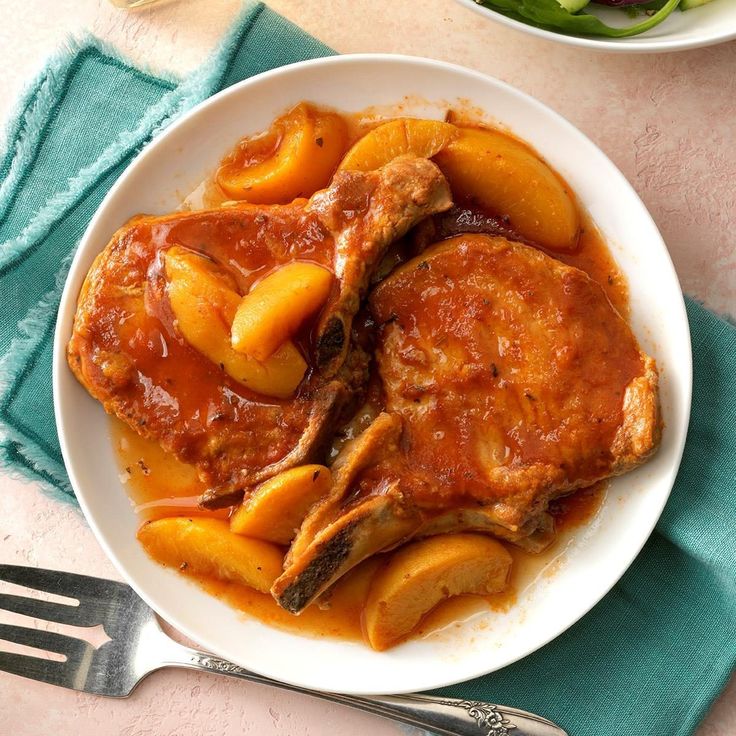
(447, 716)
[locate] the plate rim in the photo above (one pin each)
(619, 46)
(68, 301)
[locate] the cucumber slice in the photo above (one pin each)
(690, 4)
(573, 6)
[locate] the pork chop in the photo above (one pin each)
(511, 380)
(128, 353)
(366, 213)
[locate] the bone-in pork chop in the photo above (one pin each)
(127, 351)
(515, 377)
(514, 381)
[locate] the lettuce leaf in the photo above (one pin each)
(550, 15)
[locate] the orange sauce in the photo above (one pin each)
(160, 485)
(337, 616)
(570, 512)
(591, 255)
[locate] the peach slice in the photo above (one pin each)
(277, 507)
(204, 303)
(305, 146)
(506, 178)
(421, 138)
(422, 574)
(271, 313)
(207, 547)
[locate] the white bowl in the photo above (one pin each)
(175, 163)
(704, 26)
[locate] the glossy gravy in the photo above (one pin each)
(159, 485)
(591, 256)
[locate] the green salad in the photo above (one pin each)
(569, 16)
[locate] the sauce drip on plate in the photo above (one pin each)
(159, 485)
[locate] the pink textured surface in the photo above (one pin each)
(667, 121)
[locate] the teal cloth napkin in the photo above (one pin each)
(648, 660)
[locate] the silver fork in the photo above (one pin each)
(138, 647)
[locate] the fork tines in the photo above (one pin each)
(87, 591)
(92, 595)
(95, 602)
(39, 668)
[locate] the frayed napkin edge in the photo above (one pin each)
(32, 110)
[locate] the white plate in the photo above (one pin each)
(704, 26)
(174, 164)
